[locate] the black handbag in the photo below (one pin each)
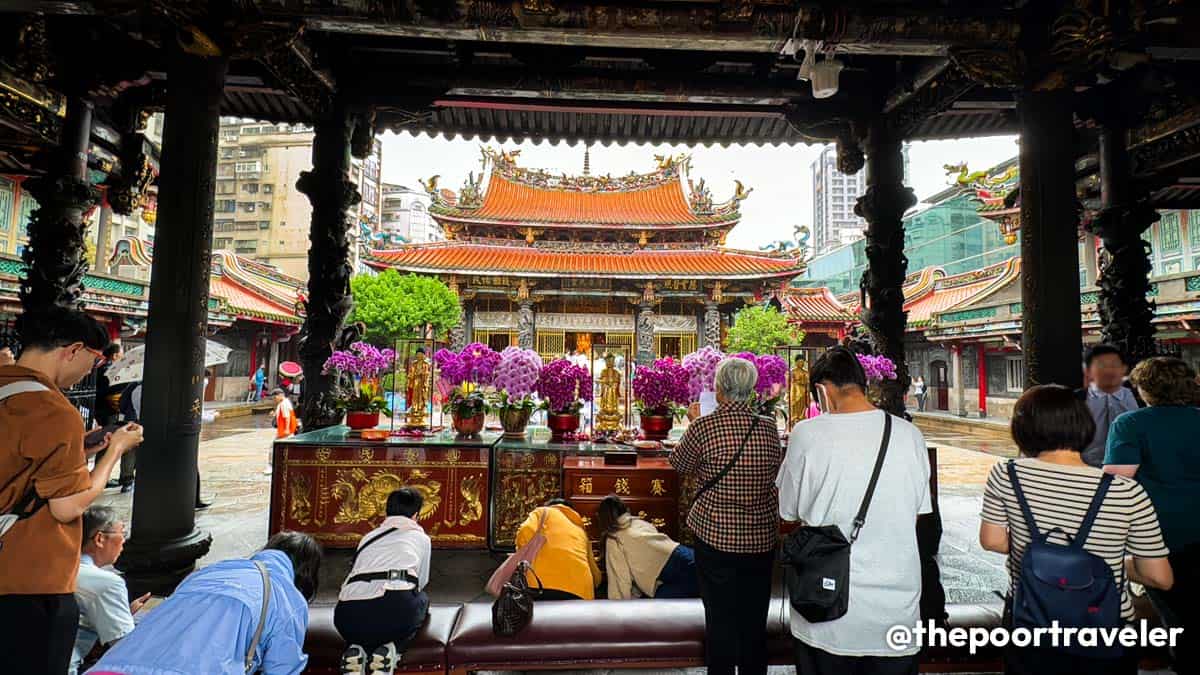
(816, 560)
(513, 609)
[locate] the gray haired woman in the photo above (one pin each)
(732, 455)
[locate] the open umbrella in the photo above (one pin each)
(290, 369)
(132, 365)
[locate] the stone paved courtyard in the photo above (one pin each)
(234, 451)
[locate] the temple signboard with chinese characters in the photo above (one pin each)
(564, 263)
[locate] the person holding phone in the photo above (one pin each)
(105, 612)
(45, 486)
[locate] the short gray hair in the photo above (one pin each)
(736, 378)
(98, 519)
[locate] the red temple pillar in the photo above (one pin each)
(981, 364)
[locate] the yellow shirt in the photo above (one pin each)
(565, 562)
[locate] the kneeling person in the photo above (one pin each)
(382, 605)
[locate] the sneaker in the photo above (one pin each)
(354, 659)
(384, 659)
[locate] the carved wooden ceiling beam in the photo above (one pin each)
(937, 95)
(29, 108)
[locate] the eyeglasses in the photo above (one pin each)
(113, 532)
(100, 358)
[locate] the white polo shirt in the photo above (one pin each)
(104, 614)
(408, 548)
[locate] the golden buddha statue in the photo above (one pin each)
(418, 386)
(609, 417)
(798, 395)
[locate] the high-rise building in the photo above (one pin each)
(834, 197)
(259, 213)
(406, 214)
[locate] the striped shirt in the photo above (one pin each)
(1059, 496)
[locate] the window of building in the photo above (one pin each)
(251, 188)
(226, 187)
(246, 245)
(250, 131)
(264, 224)
(6, 208)
(225, 206)
(1171, 265)
(248, 207)
(223, 242)
(1015, 374)
(225, 171)
(223, 226)
(3, 245)
(1168, 233)
(249, 167)
(244, 225)
(226, 153)
(267, 188)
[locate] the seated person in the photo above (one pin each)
(382, 605)
(637, 557)
(105, 612)
(565, 564)
(211, 623)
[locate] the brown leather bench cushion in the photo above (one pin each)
(427, 653)
(635, 633)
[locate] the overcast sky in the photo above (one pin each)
(781, 176)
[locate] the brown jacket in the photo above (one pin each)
(41, 446)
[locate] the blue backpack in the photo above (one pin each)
(1066, 583)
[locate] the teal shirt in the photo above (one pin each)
(1164, 441)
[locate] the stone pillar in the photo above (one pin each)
(1126, 315)
(525, 325)
(712, 325)
(468, 321)
(331, 195)
(1052, 338)
(55, 254)
(273, 362)
(1091, 271)
(960, 385)
(103, 236)
(458, 332)
(645, 333)
(165, 542)
(883, 207)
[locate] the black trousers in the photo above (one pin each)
(813, 661)
(1178, 608)
(394, 617)
(736, 590)
(37, 633)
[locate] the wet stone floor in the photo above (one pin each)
(234, 453)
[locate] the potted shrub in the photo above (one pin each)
(563, 387)
(659, 391)
(515, 379)
(468, 408)
(359, 391)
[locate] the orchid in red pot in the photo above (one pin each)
(563, 387)
(659, 392)
(358, 389)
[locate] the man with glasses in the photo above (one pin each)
(45, 486)
(1106, 395)
(105, 612)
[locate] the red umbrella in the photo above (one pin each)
(290, 369)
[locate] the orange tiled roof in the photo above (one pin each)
(953, 291)
(244, 303)
(472, 258)
(814, 304)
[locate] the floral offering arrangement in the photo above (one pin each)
(359, 369)
(515, 378)
(467, 400)
(701, 366)
(772, 378)
(878, 368)
(476, 363)
(563, 386)
(661, 388)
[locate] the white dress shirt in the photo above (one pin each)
(104, 614)
(408, 548)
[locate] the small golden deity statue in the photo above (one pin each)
(798, 395)
(609, 417)
(418, 386)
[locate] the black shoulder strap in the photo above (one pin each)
(724, 470)
(1093, 510)
(370, 541)
(866, 502)
(1016, 486)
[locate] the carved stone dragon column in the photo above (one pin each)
(712, 325)
(1126, 316)
(883, 207)
(331, 194)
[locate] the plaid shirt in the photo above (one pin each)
(740, 514)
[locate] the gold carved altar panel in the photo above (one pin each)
(523, 481)
(338, 494)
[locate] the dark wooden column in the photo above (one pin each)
(165, 542)
(54, 257)
(883, 207)
(331, 194)
(1052, 339)
(1126, 316)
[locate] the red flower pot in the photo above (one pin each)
(358, 420)
(657, 427)
(560, 425)
(468, 426)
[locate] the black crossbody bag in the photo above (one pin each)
(816, 560)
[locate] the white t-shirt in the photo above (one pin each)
(822, 482)
(104, 614)
(407, 548)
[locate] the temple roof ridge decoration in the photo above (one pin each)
(505, 193)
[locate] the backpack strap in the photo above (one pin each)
(1016, 486)
(861, 518)
(1093, 510)
(370, 541)
(262, 617)
(21, 387)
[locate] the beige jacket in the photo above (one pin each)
(634, 556)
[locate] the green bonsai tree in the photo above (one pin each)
(395, 306)
(760, 329)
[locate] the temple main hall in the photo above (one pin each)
(560, 263)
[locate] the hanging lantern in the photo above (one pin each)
(149, 209)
